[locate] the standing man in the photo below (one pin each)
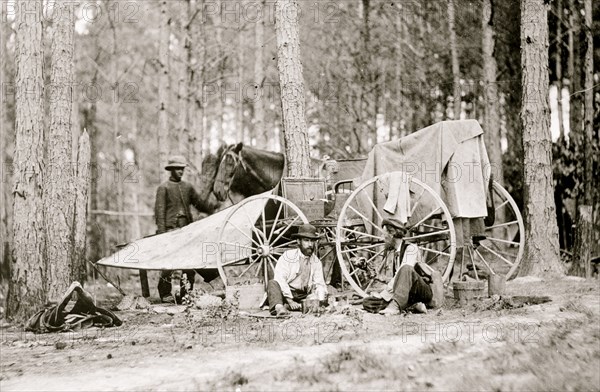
(415, 285)
(298, 273)
(172, 211)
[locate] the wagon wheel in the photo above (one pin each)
(264, 239)
(364, 259)
(502, 249)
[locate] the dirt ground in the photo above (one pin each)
(480, 346)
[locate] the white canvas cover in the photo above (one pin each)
(193, 246)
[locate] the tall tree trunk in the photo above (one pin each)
(585, 210)
(222, 63)
(198, 49)
(558, 66)
(28, 270)
(5, 198)
(259, 130)
(163, 87)
(454, 56)
(573, 70)
(541, 255)
(491, 123)
(89, 119)
(291, 82)
(241, 84)
(82, 192)
(116, 128)
(58, 196)
(186, 83)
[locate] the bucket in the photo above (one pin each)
(310, 305)
(496, 285)
(467, 291)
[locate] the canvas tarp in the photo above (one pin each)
(449, 156)
(194, 246)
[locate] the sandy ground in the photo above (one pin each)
(551, 346)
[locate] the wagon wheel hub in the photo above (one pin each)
(264, 250)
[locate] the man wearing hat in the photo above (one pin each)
(172, 211)
(415, 285)
(298, 273)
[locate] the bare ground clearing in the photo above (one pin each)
(552, 346)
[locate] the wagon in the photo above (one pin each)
(435, 180)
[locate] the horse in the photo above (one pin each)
(246, 171)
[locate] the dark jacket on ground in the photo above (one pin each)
(172, 207)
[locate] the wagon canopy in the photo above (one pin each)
(194, 246)
(449, 156)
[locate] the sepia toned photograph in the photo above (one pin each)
(299, 195)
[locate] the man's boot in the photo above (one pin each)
(391, 309)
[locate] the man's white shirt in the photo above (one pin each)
(288, 268)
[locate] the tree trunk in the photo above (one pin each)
(198, 42)
(28, 270)
(82, 191)
(291, 82)
(455, 64)
(573, 69)
(222, 63)
(186, 83)
(541, 255)
(491, 123)
(5, 198)
(558, 66)
(163, 86)
(117, 181)
(585, 200)
(259, 130)
(59, 196)
(240, 87)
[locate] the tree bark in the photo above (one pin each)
(163, 86)
(240, 87)
(186, 83)
(573, 70)
(28, 270)
(291, 82)
(491, 123)
(454, 56)
(117, 181)
(5, 170)
(558, 65)
(259, 130)
(198, 41)
(541, 255)
(59, 192)
(82, 191)
(585, 200)
(222, 65)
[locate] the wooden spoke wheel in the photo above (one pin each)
(365, 258)
(265, 239)
(502, 248)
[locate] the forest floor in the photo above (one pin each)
(484, 345)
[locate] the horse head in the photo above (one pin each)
(227, 166)
(245, 171)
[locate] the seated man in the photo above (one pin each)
(415, 284)
(298, 273)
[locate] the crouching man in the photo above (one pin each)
(298, 274)
(415, 286)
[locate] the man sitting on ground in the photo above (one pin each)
(415, 284)
(298, 273)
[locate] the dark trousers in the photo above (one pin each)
(164, 283)
(410, 288)
(275, 296)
